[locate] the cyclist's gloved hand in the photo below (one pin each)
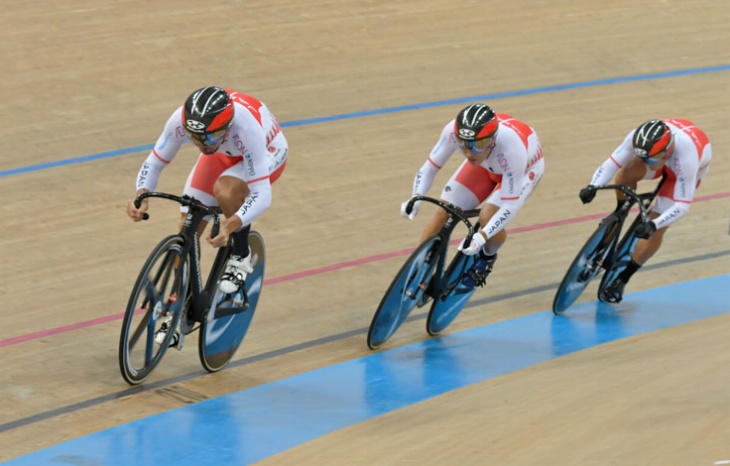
(645, 230)
(135, 213)
(477, 241)
(587, 194)
(412, 214)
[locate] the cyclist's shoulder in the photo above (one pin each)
(174, 126)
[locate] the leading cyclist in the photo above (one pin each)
(242, 152)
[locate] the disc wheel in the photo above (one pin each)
(230, 315)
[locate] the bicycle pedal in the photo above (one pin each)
(161, 334)
(238, 301)
(177, 341)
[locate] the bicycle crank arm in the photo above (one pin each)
(227, 311)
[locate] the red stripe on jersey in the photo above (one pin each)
(257, 179)
(154, 152)
(434, 163)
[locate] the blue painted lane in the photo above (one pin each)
(402, 108)
(257, 423)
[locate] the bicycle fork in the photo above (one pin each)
(425, 284)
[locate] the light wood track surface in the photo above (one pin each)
(87, 77)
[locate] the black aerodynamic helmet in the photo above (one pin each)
(207, 110)
(476, 121)
(651, 138)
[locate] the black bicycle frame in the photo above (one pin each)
(643, 201)
(456, 215)
(199, 294)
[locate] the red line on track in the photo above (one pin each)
(317, 271)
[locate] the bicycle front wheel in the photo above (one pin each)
(624, 252)
(587, 264)
(229, 316)
(153, 310)
(404, 292)
(452, 298)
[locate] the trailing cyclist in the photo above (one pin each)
(504, 163)
(674, 148)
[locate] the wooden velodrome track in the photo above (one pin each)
(87, 77)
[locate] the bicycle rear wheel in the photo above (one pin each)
(452, 299)
(153, 310)
(587, 264)
(227, 321)
(403, 293)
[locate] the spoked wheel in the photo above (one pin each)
(587, 264)
(452, 299)
(404, 292)
(227, 321)
(624, 251)
(153, 310)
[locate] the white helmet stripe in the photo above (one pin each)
(211, 98)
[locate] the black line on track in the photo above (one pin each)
(165, 383)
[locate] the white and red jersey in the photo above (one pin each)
(684, 169)
(251, 146)
(507, 177)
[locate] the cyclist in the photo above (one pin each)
(674, 148)
(504, 163)
(242, 151)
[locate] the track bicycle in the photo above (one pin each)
(425, 277)
(606, 250)
(169, 300)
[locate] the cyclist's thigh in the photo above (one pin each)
(469, 186)
(204, 174)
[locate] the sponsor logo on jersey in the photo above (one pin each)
(249, 165)
(502, 160)
(239, 144)
(144, 171)
(249, 203)
(499, 222)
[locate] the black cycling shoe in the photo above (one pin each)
(478, 273)
(614, 292)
